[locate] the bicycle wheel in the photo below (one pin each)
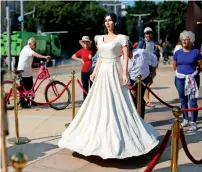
(8, 93)
(52, 91)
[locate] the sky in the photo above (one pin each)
(131, 2)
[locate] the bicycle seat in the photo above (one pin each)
(17, 72)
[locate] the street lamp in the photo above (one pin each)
(140, 23)
(158, 21)
(114, 5)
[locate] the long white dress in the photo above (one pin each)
(107, 124)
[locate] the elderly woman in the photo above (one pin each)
(187, 63)
(85, 56)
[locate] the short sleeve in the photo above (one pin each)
(198, 56)
(100, 39)
(30, 52)
(123, 40)
(175, 56)
(78, 53)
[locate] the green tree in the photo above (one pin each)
(140, 7)
(173, 12)
(66, 15)
(78, 18)
(175, 15)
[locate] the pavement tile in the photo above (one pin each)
(61, 162)
(44, 126)
(39, 169)
(189, 168)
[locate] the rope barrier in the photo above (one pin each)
(156, 158)
(46, 103)
(81, 86)
(184, 145)
(168, 105)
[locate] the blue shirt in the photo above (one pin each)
(147, 45)
(94, 59)
(187, 61)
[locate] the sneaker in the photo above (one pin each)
(193, 126)
(185, 123)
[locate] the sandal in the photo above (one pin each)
(149, 104)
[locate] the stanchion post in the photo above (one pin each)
(16, 140)
(139, 86)
(18, 161)
(73, 97)
(73, 94)
(175, 138)
(3, 128)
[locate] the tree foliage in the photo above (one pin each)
(86, 18)
(173, 12)
(78, 18)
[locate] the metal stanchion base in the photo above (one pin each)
(19, 141)
(67, 125)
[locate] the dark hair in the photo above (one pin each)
(115, 21)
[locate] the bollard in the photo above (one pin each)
(73, 94)
(3, 128)
(73, 97)
(175, 138)
(16, 140)
(18, 161)
(139, 90)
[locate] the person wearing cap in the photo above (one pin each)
(84, 55)
(149, 46)
(26, 57)
(95, 57)
(147, 43)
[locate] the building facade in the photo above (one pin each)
(115, 6)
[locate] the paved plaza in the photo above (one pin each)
(44, 126)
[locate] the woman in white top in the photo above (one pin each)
(107, 124)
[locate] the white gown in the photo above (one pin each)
(107, 124)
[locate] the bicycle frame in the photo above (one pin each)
(42, 75)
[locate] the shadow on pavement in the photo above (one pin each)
(182, 168)
(158, 109)
(32, 150)
(55, 137)
(127, 163)
(159, 88)
(141, 161)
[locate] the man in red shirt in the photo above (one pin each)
(85, 56)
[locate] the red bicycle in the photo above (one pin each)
(52, 90)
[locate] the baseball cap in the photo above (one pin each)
(148, 29)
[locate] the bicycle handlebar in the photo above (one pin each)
(46, 62)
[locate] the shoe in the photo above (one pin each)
(193, 127)
(149, 104)
(185, 123)
(24, 105)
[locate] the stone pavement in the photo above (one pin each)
(44, 125)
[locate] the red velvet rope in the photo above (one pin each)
(81, 86)
(155, 159)
(184, 145)
(168, 105)
(46, 103)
